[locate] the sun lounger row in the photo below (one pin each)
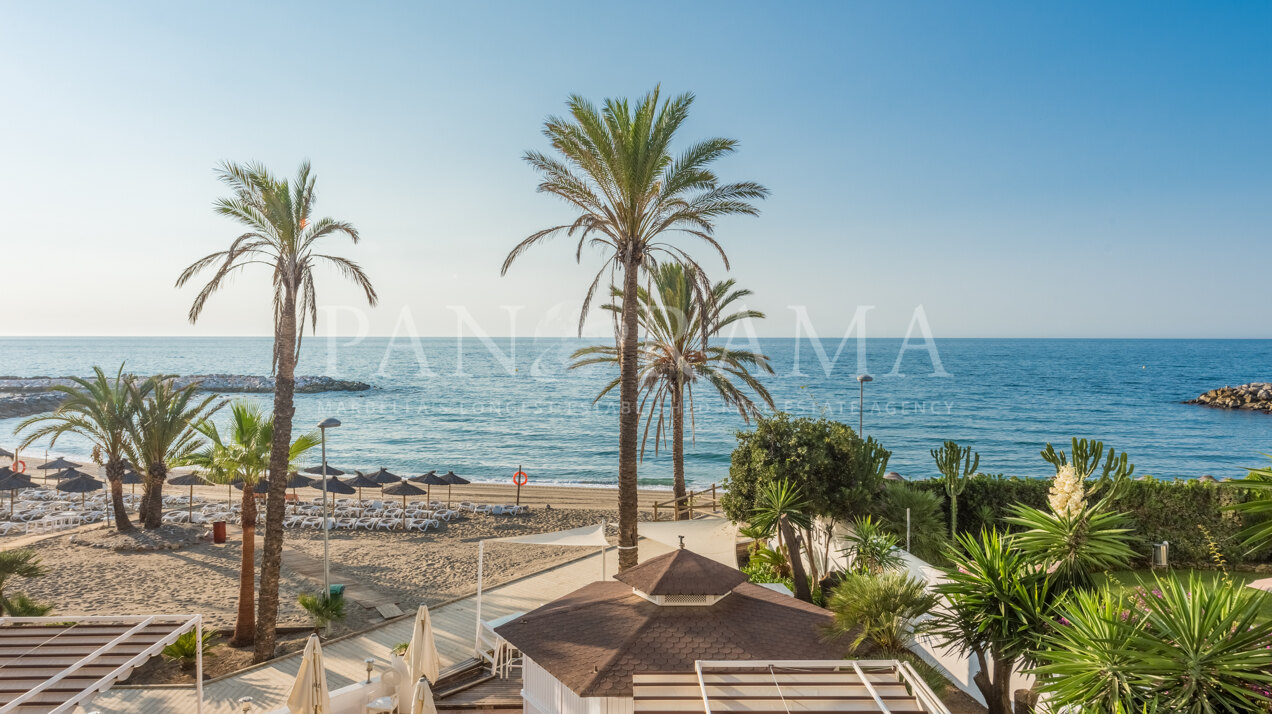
(369, 523)
(508, 509)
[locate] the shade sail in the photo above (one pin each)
(714, 538)
(593, 536)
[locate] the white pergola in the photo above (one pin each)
(50, 665)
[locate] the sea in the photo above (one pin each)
(488, 407)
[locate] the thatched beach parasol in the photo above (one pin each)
(190, 480)
(77, 482)
(403, 489)
(430, 480)
(360, 482)
(452, 480)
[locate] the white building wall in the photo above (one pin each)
(545, 694)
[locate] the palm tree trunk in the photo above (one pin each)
(151, 514)
(797, 564)
(628, 418)
(245, 624)
(678, 488)
(115, 475)
(275, 504)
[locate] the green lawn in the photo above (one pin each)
(1128, 579)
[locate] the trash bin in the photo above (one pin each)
(337, 590)
(218, 531)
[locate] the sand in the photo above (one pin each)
(408, 569)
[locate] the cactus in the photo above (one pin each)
(955, 463)
(1087, 455)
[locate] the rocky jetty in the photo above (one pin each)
(24, 396)
(1255, 396)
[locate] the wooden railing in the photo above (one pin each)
(692, 501)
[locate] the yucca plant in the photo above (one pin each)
(781, 508)
(1087, 661)
(998, 607)
(1074, 546)
(871, 550)
(186, 648)
(1189, 646)
(1259, 535)
(882, 610)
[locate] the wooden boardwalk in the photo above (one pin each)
(453, 625)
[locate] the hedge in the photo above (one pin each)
(1186, 513)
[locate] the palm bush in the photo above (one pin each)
(1189, 646)
(323, 609)
(22, 606)
(187, 647)
(17, 564)
(780, 509)
(881, 610)
(870, 549)
(927, 524)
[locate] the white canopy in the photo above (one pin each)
(714, 538)
(309, 693)
(593, 536)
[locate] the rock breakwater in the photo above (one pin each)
(1255, 396)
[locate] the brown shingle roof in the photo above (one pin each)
(596, 637)
(682, 572)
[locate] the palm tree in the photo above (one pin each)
(779, 509)
(97, 409)
(20, 564)
(161, 434)
(615, 168)
(281, 235)
(675, 353)
(243, 454)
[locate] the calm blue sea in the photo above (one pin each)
(483, 409)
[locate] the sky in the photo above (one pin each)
(1012, 169)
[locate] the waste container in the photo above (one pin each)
(337, 590)
(218, 531)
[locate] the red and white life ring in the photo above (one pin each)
(18, 467)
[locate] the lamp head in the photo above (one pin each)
(329, 423)
(864, 378)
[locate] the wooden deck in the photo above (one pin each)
(453, 625)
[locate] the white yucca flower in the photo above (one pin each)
(1068, 495)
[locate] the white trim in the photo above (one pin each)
(865, 681)
(180, 624)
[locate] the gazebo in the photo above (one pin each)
(677, 616)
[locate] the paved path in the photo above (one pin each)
(453, 624)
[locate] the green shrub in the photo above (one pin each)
(837, 472)
(927, 524)
(1159, 510)
(870, 549)
(22, 606)
(879, 610)
(323, 609)
(185, 649)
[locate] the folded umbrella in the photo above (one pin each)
(309, 693)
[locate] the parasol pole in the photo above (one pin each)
(481, 551)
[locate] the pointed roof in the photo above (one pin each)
(682, 572)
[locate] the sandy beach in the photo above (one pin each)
(409, 569)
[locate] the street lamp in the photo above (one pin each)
(861, 401)
(328, 423)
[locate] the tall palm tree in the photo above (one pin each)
(282, 235)
(243, 454)
(97, 409)
(675, 353)
(615, 168)
(161, 434)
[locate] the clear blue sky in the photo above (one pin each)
(1073, 169)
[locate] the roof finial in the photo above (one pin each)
(682, 542)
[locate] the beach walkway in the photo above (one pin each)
(453, 624)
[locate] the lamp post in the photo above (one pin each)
(861, 400)
(328, 423)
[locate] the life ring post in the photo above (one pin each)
(520, 479)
